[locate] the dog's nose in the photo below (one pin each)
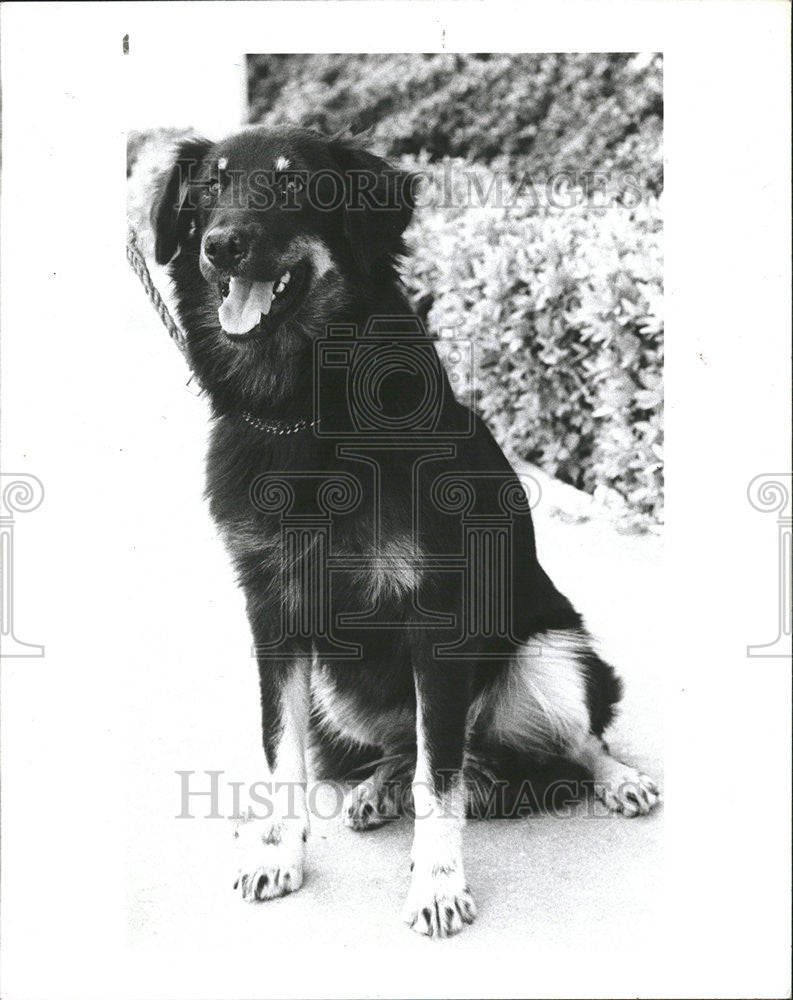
(225, 248)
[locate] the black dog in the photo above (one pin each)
(383, 542)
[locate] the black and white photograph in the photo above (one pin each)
(396, 500)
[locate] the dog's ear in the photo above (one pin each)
(172, 211)
(379, 203)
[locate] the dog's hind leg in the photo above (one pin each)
(619, 786)
(439, 901)
(272, 842)
(556, 699)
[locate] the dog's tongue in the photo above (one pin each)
(245, 304)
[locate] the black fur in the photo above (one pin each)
(272, 377)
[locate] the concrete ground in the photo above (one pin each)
(567, 906)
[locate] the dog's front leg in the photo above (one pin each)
(272, 843)
(439, 901)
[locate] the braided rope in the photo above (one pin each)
(138, 264)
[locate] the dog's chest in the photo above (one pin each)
(355, 566)
(289, 512)
(349, 711)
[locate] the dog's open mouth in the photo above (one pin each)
(250, 308)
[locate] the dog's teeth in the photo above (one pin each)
(281, 286)
(285, 278)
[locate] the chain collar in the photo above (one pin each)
(277, 426)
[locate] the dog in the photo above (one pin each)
(404, 629)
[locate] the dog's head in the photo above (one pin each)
(282, 225)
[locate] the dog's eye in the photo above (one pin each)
(210, 192)
(287, 183)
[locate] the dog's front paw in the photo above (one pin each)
(439, 903)
(270, 865)
(628, 791)
(367, 806)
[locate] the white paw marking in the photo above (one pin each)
(439, 903)
(626, 790)
(272, 865)
(274, 873)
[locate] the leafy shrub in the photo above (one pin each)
(563, 307)
(541, 113)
